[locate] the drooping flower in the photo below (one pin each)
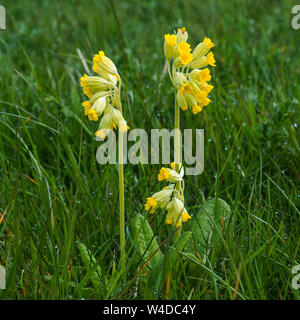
(150, 205)
(196, 109)
(185, 55)
(105, 67)
(204, 61)
(176, 212)
(185, 89)
(204, 75)
(159, 199)
(169, 175)
(190, 75)
(111, 120)
(202, 48)
(201, 98)
(104, 96)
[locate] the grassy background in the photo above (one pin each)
(52, 191)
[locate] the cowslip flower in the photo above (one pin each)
(105, 67)
(170, 175)
(104, 96)
(185, 55)
(104, 100)
(159, 199)
(181, 35)
(169, 198)
(202, 48)
(170, 46)
(176, 212)
(190, 75)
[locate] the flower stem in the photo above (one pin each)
(122, 206)
(168, 272)
(177, 153)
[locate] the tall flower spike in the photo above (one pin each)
(104, 100)
(190, 75)
(190, 81)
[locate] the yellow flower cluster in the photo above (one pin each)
(104, 96)
(170, 198)
(189, 73)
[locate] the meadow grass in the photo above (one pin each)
(53, 194)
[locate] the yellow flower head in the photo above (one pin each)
(170, 175)
(196, 109)
(92, 114)
(176, 213)
(210, 59)
(208, 43)
(168, 221)
(202, 48)
(184, 47)
(200, 59)
(87, 106)
(185, 217)
(105, 67)
(181, 35)
(104, 94)
(184, 108)
(86, 89)
(150, 205)
(201, 98)
(82, 80)
(163, 174)
(182, 30)
(185, 58)
(170, 46)
(160, 199)
(100, 134)
(171, 40)
(207, 88)
(123, 127)
(98, 58)
(185, 89)
(204, 75)
(173, 165)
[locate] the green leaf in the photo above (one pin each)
(145, 241)
(155, 278)
(92, 267)
(179, 245)
(204, 223)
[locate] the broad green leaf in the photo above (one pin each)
(92, 266)
(145, 241)
(204, 223)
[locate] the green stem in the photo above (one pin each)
(177, 154)
(122, 206)
(168, 270)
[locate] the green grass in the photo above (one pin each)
(53, 193)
